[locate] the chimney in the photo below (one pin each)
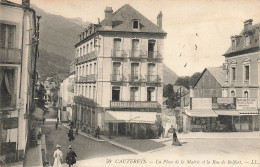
(248, 23)
(26, 3)
(159, 19)
(108, 16)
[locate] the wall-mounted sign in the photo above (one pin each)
(201, 103)
(223, 103)
(246, 104)
(10, 123)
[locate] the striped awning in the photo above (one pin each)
(130, 117)
(248, 112)
(201, 113)
(227, 112)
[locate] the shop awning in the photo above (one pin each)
(130, 117)
(227, 112)
(201, 113)
(248, 112)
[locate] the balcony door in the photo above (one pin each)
(134, 71)
(151, 46)
(151, 94)
(134, 94)
(151, 72)
(116, 71)
(117, 47)
(135, 48)
(115, 94)
(7, 36)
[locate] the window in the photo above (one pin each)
(246, 94)
(232, 93)
(8, 86)
(116, 75)
(87, 70)
(115, 93)
(246, 72)
(151, 46)
(89, 96)
(83, 71)
(151, 94)
(87, 48)
(90, 69)
(86, 91)
(7, 36)
(233, 70)
(117, 47)
(94, 92)
(91, 45)
(84, 50)
(233, 44)
(134, 94)
(134, 71)
(135, 24)
(95, 68)
(135, 48)
(247, 40)
(80, 51)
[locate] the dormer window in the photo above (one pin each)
(135, 24)
(247, 40)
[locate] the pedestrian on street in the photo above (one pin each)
(175, 141)
(70, 134)
(71, 157)
(98, 132)
(43, 120)
(57, 157)
(77, 131)
(56, 125)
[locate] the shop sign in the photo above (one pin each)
(10, 123)
(246, 104)
(223, 103)
(201, 103)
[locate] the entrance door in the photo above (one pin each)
(121, 128)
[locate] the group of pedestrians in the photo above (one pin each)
(58, 157)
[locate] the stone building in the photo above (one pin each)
(119, 72)
(18, 43)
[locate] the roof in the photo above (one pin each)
(217, 72)
(122, 21)
(240, 43)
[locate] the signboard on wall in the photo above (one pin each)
(201, 103)
(10, 123)
(246, 104)
(223, 103)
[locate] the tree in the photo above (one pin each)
(167, 90)
(187, 81)
(40, 93)
(172, 97)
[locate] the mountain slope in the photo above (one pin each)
(169, 76)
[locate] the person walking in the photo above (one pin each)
(57, 157)
(43, 120)
(175, 141)
(70, 134)
(56, 125)
(98, 132)
(71, 157)
(77, 131)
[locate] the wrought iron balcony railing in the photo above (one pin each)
(134, 104)
(10, 55)
(117, 78)
(153, 78)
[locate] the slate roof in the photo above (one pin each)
(122, 21)
(217, 72)
(241, 43)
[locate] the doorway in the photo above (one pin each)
(121, 129)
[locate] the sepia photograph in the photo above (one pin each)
(129, 83)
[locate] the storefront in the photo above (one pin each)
(130, 123)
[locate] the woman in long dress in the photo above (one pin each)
(57, 157)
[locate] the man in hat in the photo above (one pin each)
(57, 157)
(71, 157)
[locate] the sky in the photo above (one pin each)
(214, 22)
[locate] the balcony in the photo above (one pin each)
(118, 54)
(117, 78)
(89, 56)
(134, 104)
(10, 55)
(136, 78)
(154, 56)
(153, 79)
(91, 78)
(137, 55)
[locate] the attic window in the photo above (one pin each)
(135, 24)
(247, 40)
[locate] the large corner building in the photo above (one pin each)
(119, 72)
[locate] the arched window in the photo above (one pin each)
(233, 94)
(246, 94)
